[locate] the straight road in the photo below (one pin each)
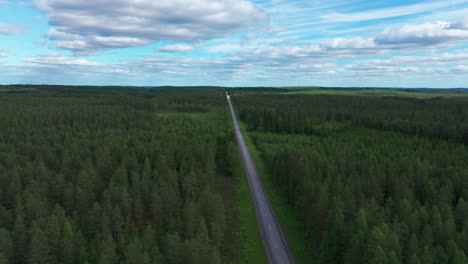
(273, 239)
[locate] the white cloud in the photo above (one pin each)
(426, 34)
(89, 26)
(404, 39)
(8, 29)
(54, 68)
(425, 67)
(249, 67)
(349, 44)
(419, 61)
(177, 48)
(334, 49)
(270, 55)
(57, 60)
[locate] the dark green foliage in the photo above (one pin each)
(6, 246)
(445, 118)
(373, 180)
(112, 176)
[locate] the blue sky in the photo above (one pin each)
(235, 42)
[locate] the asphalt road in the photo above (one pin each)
(274, 242)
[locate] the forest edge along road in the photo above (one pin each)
(273, 239)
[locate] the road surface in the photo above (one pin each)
(274, 243)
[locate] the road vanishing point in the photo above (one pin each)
(274, 242)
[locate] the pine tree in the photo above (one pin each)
(117, 226)
(414, 260)
(437, 227)
(191, 216)
(427, 236)
(333, 244)
(427, 257)
(20, 235)
(156, 255)
(68, 244)
(134, 252)
(461, 213)
(440, 257)
(107, 253)
(393, 258)
(173, 248)
(459, 257)
(3, 259)
(189, 185)
(6, 245)
(378, 257)
(412, 248)
(155, 207)
(39, 249)
(216, 234)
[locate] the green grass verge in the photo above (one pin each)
(249, 243)
(251, 247)
(292, 229)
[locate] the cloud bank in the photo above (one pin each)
(90, 26)
(426, 34)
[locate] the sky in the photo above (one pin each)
(347, 43)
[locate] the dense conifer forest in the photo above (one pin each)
(373, 179)
(445, 118)
(114, 175)
(133, 175)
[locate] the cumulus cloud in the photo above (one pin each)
(334, 49)
(8, 29)
(89, 26)
(3, 53)
(248, 61)
(407, 38)
(177, 48)
(426, 34)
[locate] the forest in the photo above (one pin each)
(139, 175)
(444, 118)
(115, 175)
(372, 179)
